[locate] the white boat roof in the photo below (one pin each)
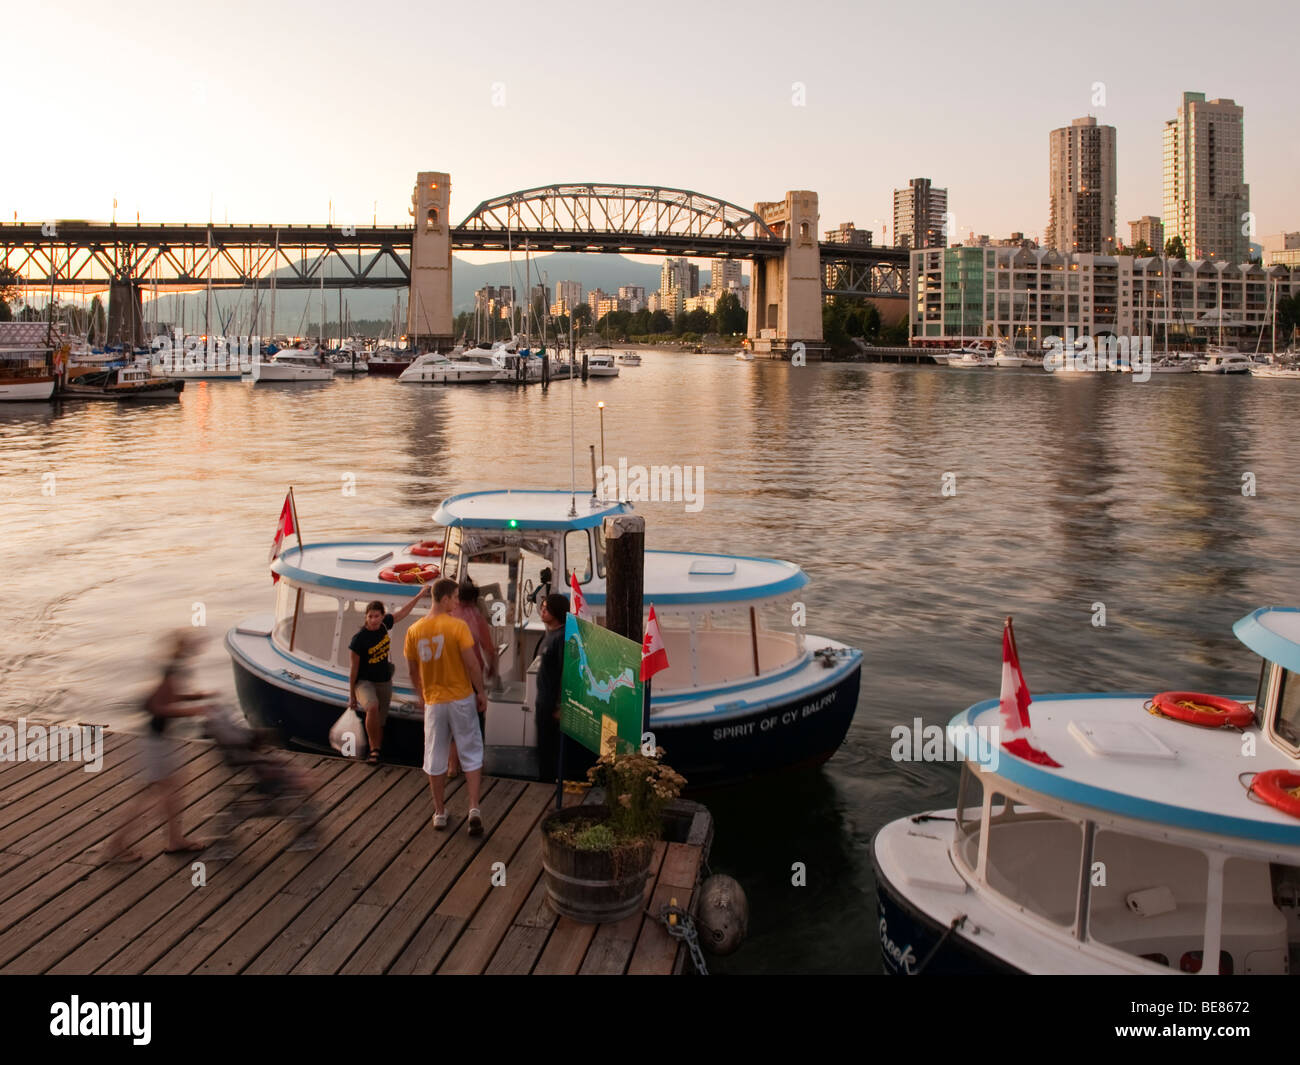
(1273, 632)
(1117, 758)
(527, 508)
(672, 578)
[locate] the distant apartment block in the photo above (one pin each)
(919, 215)
(631, 298)
(724, 274)
(1281, 249)
(1149, 230)
(1206, 198)
(848, 233)
(1081, 178)
(1026, 295)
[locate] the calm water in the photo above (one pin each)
(1069, 492)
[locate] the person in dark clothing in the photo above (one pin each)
(370, 683)
(555, 607)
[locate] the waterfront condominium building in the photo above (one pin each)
(1082, 187)
(1206, 198)
(1029, 295)
(1149, 230)
(679, 275)
(919, 215)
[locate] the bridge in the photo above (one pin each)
(792, 271)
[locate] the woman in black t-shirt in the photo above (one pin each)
(370, 685)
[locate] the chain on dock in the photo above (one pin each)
(681, 925)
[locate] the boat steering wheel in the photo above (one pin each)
(528, 597)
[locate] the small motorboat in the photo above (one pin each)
(743, 355)
(388, 362)
(1005, 358)
(1173, 364)
(745, 691)
(629, 358)
(976, 356)
(133, 381)
(601, 364)
(27, 371)
(1161, 835)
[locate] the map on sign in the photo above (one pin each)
(600, 695)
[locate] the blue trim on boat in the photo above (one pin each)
(1049, 782)
(850, 660)
(592, 518)
(1266, 643)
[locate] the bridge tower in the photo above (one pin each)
(428, 314)
(785, 295)
(125, 313)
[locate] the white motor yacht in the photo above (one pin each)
(1222, 360)
(629, 358)
(601, 364)
(293, 365)
(468, 368)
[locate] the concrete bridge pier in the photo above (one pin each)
(785, 296)
(125, 314)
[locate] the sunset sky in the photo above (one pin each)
(261, 112)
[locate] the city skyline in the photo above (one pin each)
(196, 153)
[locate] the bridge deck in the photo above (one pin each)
(382, 893)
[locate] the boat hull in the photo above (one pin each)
(28, 390)
(383, 368)
(271, 372)
(803, 729)
(912, 943)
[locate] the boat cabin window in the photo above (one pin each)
(599, 534)
(1035, 860)
(1287, 718)
(314, 632)
(577, 554)
(1262, 693)
(286, 602)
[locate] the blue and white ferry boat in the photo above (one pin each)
(745, 692)
(1157, 843)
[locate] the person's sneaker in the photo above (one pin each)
(440, 820)
(475, 822)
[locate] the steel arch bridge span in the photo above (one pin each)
(632, 218)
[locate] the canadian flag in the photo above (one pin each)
(579, 604)
(287, 526)
(654, 656)
(1016, 732)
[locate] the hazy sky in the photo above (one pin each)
(267, 111)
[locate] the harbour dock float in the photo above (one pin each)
(382, 892)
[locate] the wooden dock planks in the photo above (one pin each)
(383, 892)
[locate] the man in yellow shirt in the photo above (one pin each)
(439, 652)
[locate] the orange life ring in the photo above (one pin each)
(411, 573)
(1210, 711)
(1280, 788)
(427, 548)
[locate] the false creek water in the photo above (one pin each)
(1071, 491)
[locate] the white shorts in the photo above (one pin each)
(444, 722)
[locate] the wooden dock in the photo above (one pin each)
(383, 892)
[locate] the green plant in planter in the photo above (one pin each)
(637, 788)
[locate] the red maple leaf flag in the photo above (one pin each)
(288, 526)
(579, 604)
(654, 656)
(1017, 735)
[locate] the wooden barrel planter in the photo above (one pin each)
(586, 885)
